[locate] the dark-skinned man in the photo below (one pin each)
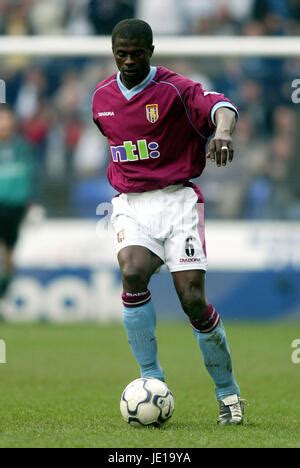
(161, 128)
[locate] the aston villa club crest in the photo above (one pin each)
(121, 236)
(152, 112)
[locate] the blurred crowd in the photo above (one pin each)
(51, 98)
(83, 17)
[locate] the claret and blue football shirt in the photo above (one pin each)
(157, 131)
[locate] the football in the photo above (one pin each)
(146, 402)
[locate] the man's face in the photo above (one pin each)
(132, 57)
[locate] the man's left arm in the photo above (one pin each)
(220, 147)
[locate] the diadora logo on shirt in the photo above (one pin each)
(135, 152)
(106, 114)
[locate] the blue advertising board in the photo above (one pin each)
(67, 271)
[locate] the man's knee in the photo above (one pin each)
(134, 277)
(193, 302)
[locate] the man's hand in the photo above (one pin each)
(220, 148)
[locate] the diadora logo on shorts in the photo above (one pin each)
(135, 152)
(189, 247)
(189, 252)
(106, 114)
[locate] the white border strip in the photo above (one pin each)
(170, 46)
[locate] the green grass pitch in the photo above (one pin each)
(61, 387)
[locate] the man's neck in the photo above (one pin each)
(130, 85)
(128, 93)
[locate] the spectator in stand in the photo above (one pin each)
(251, 100)
(33, 88)
(48, 17)
(273, 14)
(167, 17)
(76, 18)
(104, 14)
(15, 18)
(16, 190)
(294, 22)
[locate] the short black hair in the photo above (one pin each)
(133, 29)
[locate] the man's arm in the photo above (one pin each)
(220, 148)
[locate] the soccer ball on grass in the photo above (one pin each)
(146, 402)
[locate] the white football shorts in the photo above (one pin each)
(169, 222)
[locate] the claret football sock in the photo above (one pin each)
(140, 325)
(216, 355)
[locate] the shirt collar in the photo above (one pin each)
(129, 93)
